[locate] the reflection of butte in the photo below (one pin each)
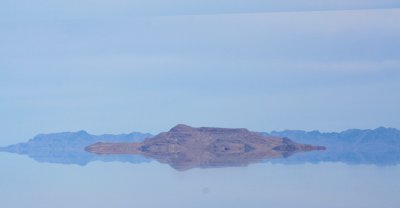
(185, 147)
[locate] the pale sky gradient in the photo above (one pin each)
(117, 68)
(44, 9)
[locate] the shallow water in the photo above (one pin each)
(27, 183)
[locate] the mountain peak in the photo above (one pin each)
(181, 127)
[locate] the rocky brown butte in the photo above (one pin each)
(185, 147)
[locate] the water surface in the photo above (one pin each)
(26, 183)
(360, 168)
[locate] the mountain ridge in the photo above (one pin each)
(379, 146)
(68, 147)
(184, 147)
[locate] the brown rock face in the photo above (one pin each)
(185, 147)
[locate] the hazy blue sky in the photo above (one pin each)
(22, 9)
(118, 66)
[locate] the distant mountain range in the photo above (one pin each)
(379, 146)
(69, 147)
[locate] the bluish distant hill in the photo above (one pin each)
(379, 146)
(69, 147)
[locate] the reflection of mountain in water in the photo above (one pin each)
(185, 147)
(68, 148)
(380, 146)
